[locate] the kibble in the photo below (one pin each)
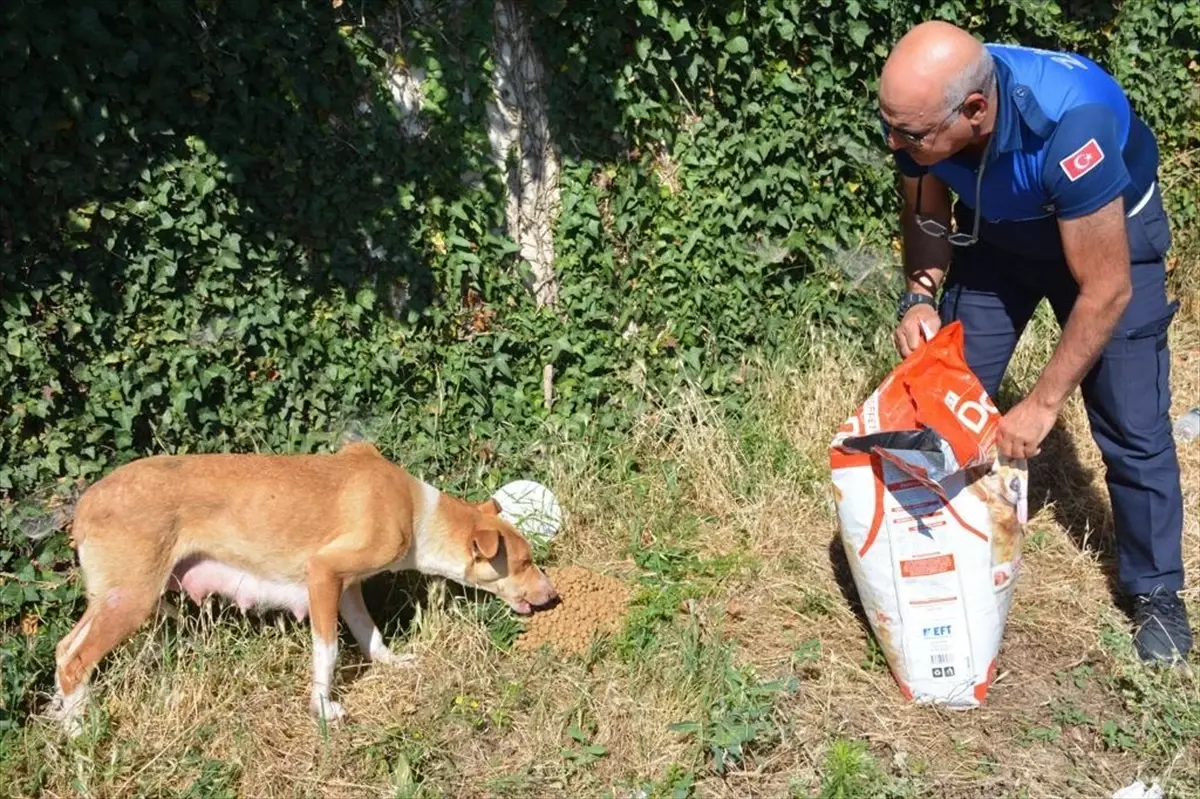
(589, 604)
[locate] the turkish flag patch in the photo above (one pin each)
(1082, 161)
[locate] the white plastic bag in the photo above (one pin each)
(931, 522)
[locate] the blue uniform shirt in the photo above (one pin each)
(1066, 143)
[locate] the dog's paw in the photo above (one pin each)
(67, 712)
(69, 721)
(387, 657)
(332, 712)
(72, 726)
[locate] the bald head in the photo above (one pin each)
(931, 73)
(929, 65)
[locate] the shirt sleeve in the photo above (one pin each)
(1084, 168)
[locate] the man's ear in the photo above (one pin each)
(485, 541)
(976, 109)
(489, 506)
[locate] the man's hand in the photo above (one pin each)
(1023, 429)
(908, 334)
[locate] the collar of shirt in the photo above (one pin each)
(1015, 104)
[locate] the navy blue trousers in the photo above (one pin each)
(993, 291)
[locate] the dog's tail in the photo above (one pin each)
(39, 518)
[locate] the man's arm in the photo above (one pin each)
(926, 258)
(1084, 175)
(1098, 256)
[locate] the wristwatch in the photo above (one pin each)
(911, 298)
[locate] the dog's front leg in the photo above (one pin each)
(358, 551)
(324, 589)
(362, 626)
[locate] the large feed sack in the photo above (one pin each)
(931, 519)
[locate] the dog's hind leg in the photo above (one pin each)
(113, 612)
(108, 621)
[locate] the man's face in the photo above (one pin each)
(927, 132)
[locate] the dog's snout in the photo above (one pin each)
(545, 592)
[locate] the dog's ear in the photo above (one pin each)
(485, 541)
(489, 506)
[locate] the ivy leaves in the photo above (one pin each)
(218, 232)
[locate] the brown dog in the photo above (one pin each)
(298, 532)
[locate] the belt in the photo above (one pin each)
(1137, 209)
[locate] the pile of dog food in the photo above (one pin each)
(589, 604)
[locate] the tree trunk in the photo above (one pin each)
(519, 131)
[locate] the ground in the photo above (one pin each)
(744, 669)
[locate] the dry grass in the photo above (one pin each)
(725, 522)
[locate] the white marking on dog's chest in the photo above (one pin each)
(205, 577)
(426, 554)
(429, 502)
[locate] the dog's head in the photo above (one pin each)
(501, 561)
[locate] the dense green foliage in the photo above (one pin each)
(215, 233)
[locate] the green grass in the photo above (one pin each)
(851, 772)
(741, 668)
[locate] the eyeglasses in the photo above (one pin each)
(932, 227)
(917, 139)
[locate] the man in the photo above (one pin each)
(1056, 179)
